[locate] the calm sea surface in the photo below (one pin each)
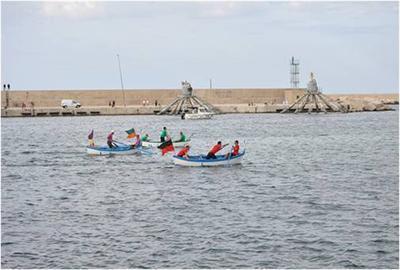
(313, 191)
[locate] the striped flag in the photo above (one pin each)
(131, 133)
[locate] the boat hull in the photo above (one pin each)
(105, 150)
(201, 161)
(155, 144)
(195, 116)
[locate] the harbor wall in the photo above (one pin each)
(162, 96)
(95, 102)
(131, 110)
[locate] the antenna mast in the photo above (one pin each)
(294, 73)
(122, 82)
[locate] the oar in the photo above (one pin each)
(124, 144)
(79, 141)
(224, 146)
(144, 151)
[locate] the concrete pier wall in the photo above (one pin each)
(95, 102)
(130, 110)
(162, 96)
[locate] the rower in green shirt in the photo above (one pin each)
(163, 134)
(145, 137)
(183, 137)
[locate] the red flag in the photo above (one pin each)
(166, 147)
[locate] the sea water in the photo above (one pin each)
(313, 191)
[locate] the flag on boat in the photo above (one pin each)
(91, 134)
(131, 133)
(166, 147)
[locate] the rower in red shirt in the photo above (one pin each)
(215, 149)
(184, 152)
(235, 150)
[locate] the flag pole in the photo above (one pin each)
(122, 82)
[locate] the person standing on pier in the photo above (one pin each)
(163, 134)
(8, 86)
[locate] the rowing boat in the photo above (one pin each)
(202, 161)
(105, 150)
(177, 144)
(119, 150)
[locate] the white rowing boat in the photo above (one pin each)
(119, 150)
(177, 144)
(105, 150)
(202, 161)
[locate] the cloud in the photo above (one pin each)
(220, 9)
(72, 9)
(228, 9)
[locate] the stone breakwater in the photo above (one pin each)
(96, 102)
(95, 98)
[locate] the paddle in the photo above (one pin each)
(224, 146)
(121, 143)
(139, 149)
(187, 139)
(144, 151)
(229, 155)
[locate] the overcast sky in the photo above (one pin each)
(350, 46)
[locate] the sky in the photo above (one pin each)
(352, 47)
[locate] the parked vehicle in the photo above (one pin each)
(69, 103)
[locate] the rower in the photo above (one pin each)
(110, 140)
(182, 138)
(91, 138)
(145, 137)
(163, 134)
(138, 142)
(215, 149)
(184, 152)
(235, 150)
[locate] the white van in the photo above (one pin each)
(69, 103)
